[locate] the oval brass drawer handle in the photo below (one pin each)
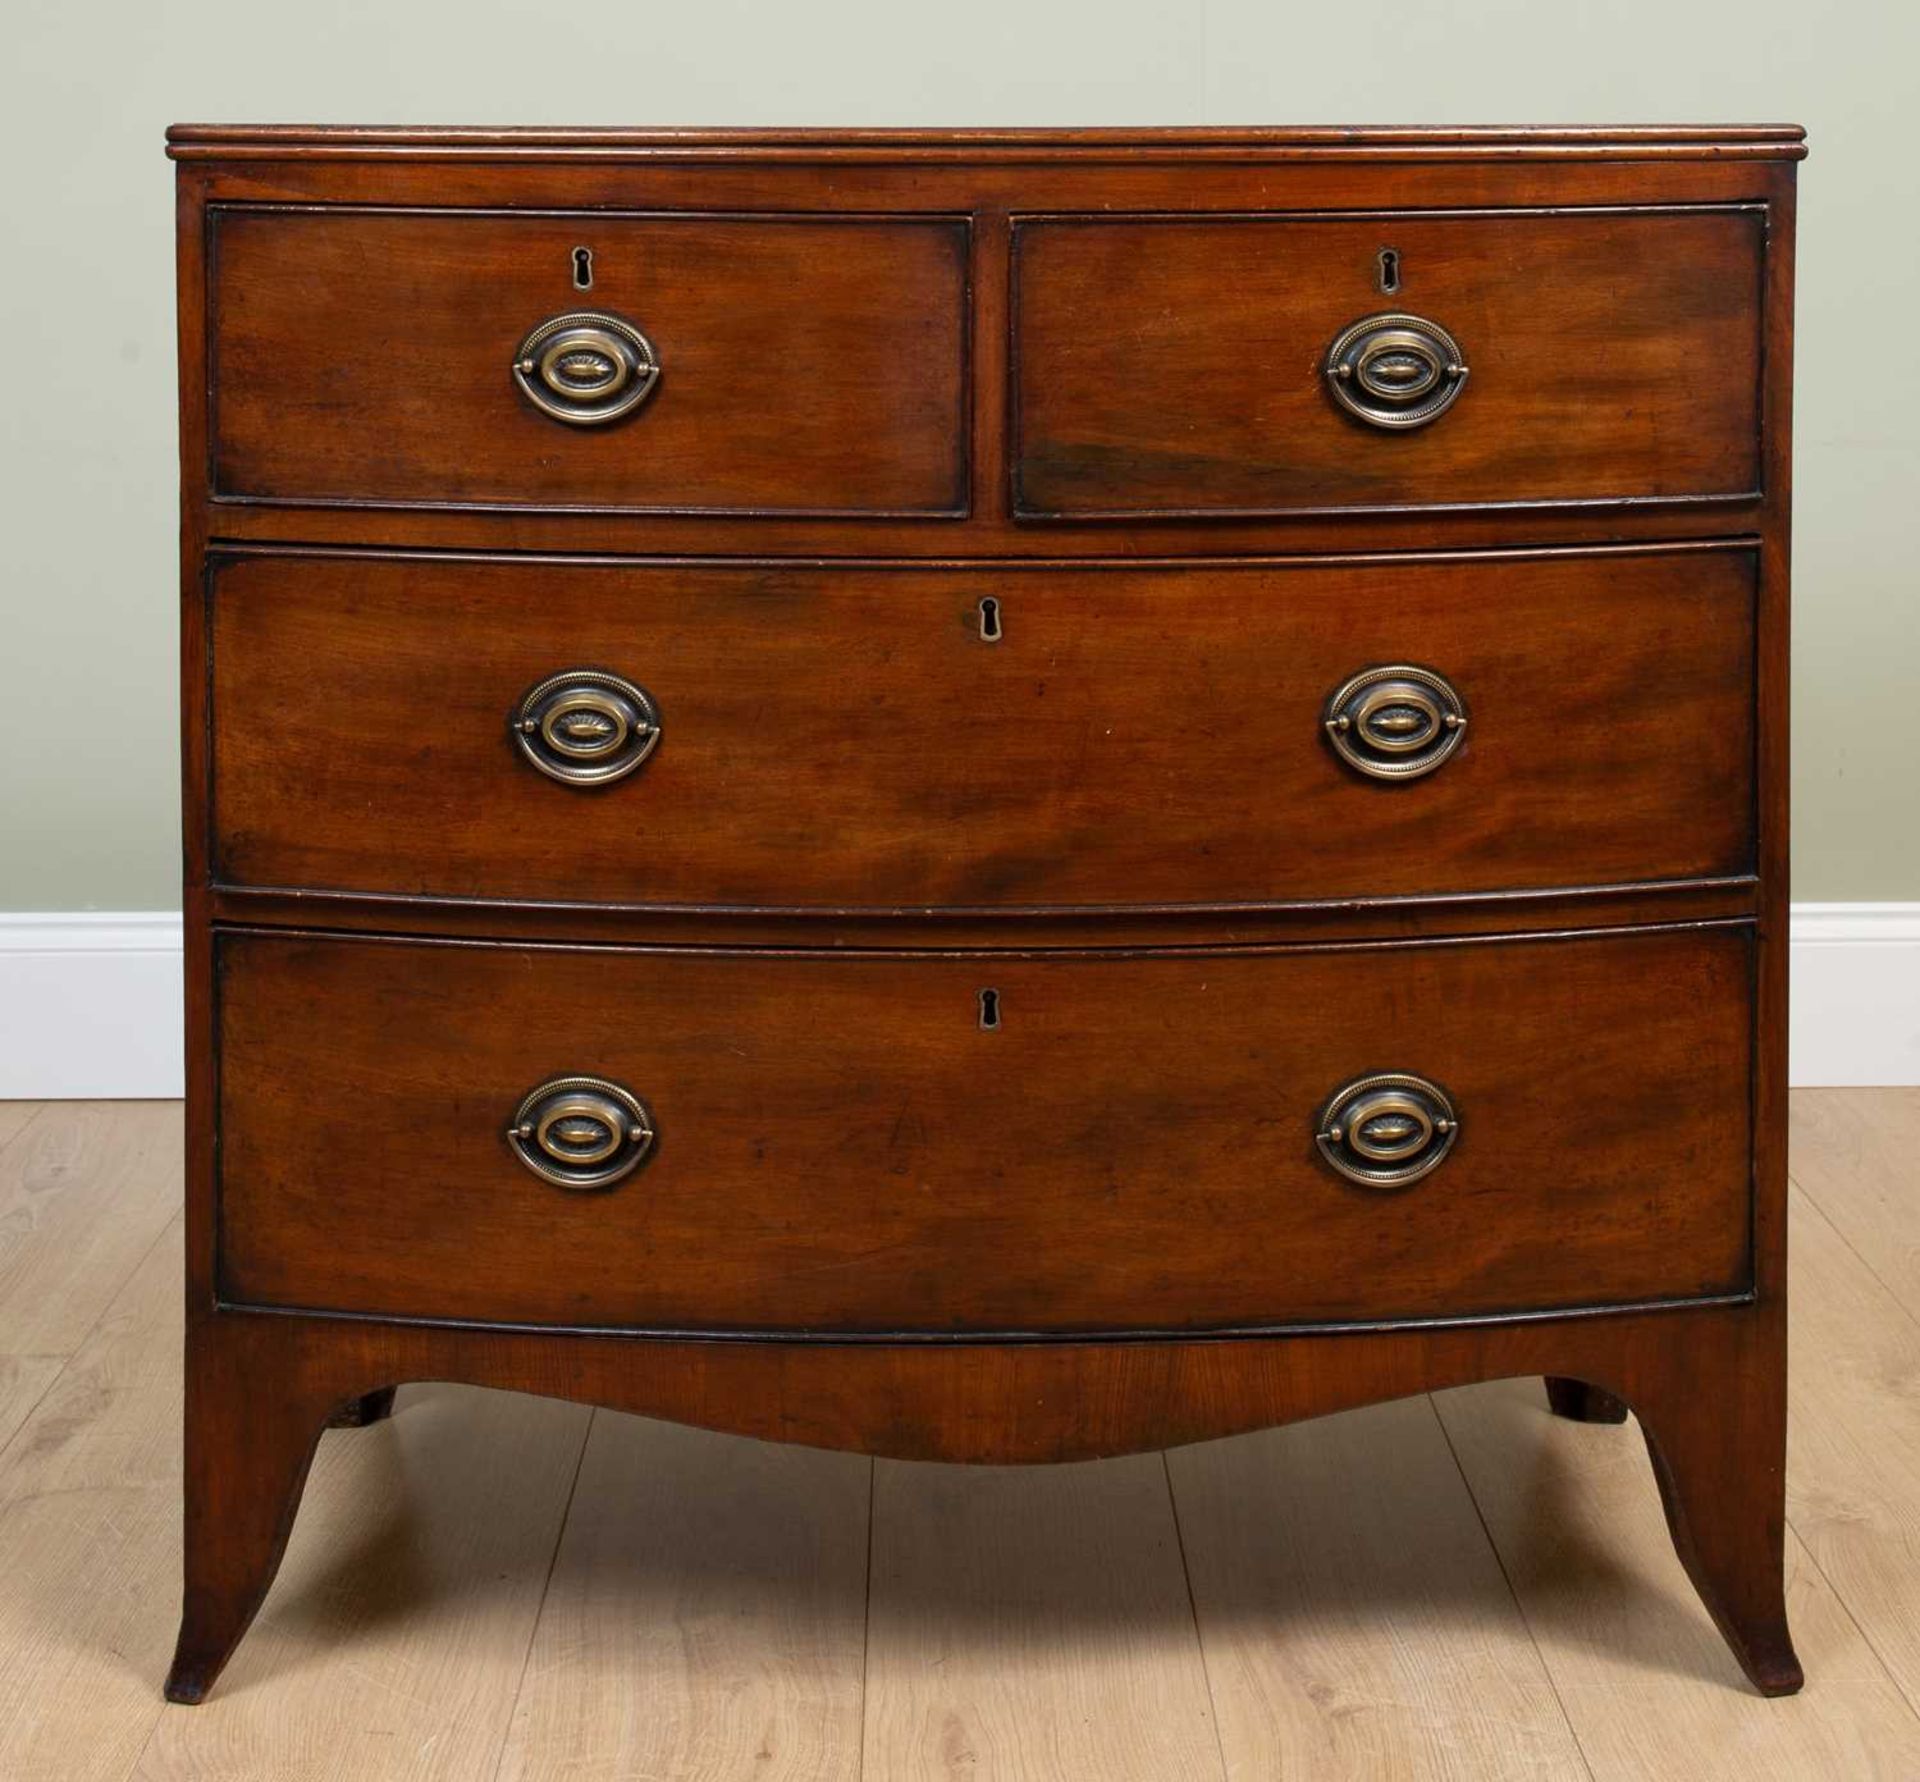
(586, 368)
(583, 727)
(1395, 722)
(1395, 371)
(581, 1132)
(1386, 1131)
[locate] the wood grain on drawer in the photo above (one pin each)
(842, 1145)
(809, 364)
(845, 737)
(1176, 366)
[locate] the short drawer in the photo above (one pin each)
(982, 738)
(841, 1143)
(801, 364)
(1170, 366)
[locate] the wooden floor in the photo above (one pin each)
(498, 1589)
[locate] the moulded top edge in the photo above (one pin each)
(239, 140)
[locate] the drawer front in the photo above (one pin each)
(1169, 367)
(840, 1144)
(848, 738)
(805, 364)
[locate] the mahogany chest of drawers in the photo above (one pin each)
(988, 796)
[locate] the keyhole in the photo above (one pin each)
(583, 269)
(990, 619)
(989, 1010)
(1389, 270)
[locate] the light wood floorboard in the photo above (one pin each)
(706, 1618)
(24, 1380)
(90, 1544)
(14, 1116)
(1853, 1441)
(1483, 1593)
(394, 1639)
(1646, 1680)
(1031, 1624)
(1856, 1153)
(84, 1191)
(1355, 1622)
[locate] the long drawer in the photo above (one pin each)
(948, 1144)
(695, 364)
(1269, 365)
(981, 737)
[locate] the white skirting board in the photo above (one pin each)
(90, 1003)
(1854, 1003)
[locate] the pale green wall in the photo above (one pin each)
(87, 563)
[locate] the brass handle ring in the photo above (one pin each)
(1395, 722)
(581, 1132)
(1395, 371)
(583, 727)
(1386, 1131)
(586, 368)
